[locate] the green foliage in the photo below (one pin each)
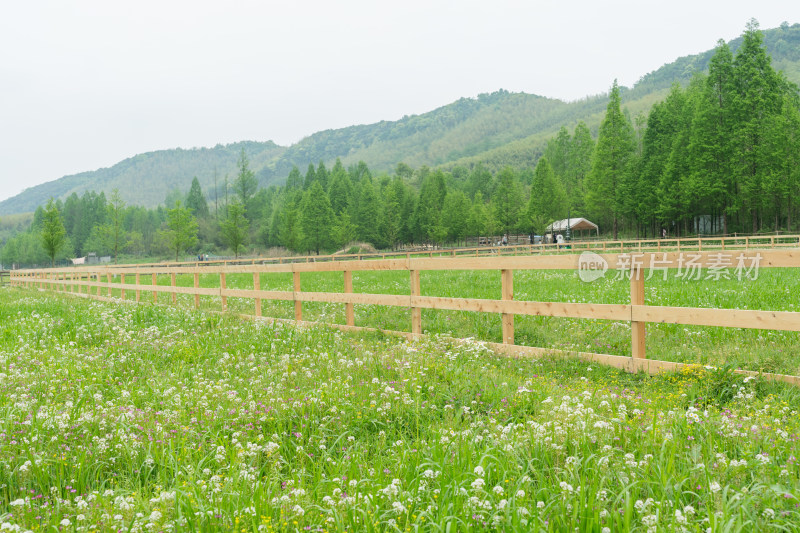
(196, 200)
(547, 201)
(180, 233)
(507, 200)
(612, 164)
(245, 184)
(317, 218)
(53, 233)
(234, 227)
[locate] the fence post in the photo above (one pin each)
(122, 281)
(138, 292)
(257, 287)
(637, 298)
(196, 286)
(174, 284)
(155, 293)
(222, 287)
(507, 283)
(298, 305)
(416, 312)
(108, 282)
(349, 312)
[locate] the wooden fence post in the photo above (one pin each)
(196, 286)
(507, 282)
(174, 284)
(138, 292)
(637, 298)
(298, 305)
(155, 293)
(257, 287)
(108, 282)
(222, 287)
(416, 312)
(349, 312)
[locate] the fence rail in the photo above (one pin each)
(92, 281)
(622, 246)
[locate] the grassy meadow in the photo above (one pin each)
(123, 417)
(775, 289)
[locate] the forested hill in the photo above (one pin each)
(497, 129)
(146, 179)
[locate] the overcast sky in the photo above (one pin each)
(86, 84)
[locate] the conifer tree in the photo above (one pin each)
(235, 227)
(180, 233)
(507, 200)
(610, 164)
(341, 188)
(246, 183)
(294, 181)
(317, 218)
(196, 201)
(53, 234)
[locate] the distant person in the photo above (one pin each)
(560, 239)
(505, 239)
(663, 233)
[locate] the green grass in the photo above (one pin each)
(776, 289)
(158, 418)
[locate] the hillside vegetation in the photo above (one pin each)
(497, 129)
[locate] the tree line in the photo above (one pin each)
(725, 148)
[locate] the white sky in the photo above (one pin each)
(85, 84)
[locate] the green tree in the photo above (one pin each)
(368, 214)
(611, 163)
(580, 164)
(295, 180)
(507, 200)
(344, 231)
(53, 234)
(322, 176)
(341, 189)
(317, 218)
(479, 181)
(479, 223)
(547, 199)
(234, 227)
(758, 90)
(782, 145)
(180, 232)
(455, 215)
(431, 199)
(246, 184)
(311, 176)
(116, 215)
(196, 201)
(392, 208)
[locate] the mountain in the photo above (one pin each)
(498, 129)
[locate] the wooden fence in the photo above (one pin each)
(640, 245)
(91, 281)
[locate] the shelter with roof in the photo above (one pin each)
(574, 224)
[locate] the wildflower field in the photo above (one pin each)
(124, 417)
